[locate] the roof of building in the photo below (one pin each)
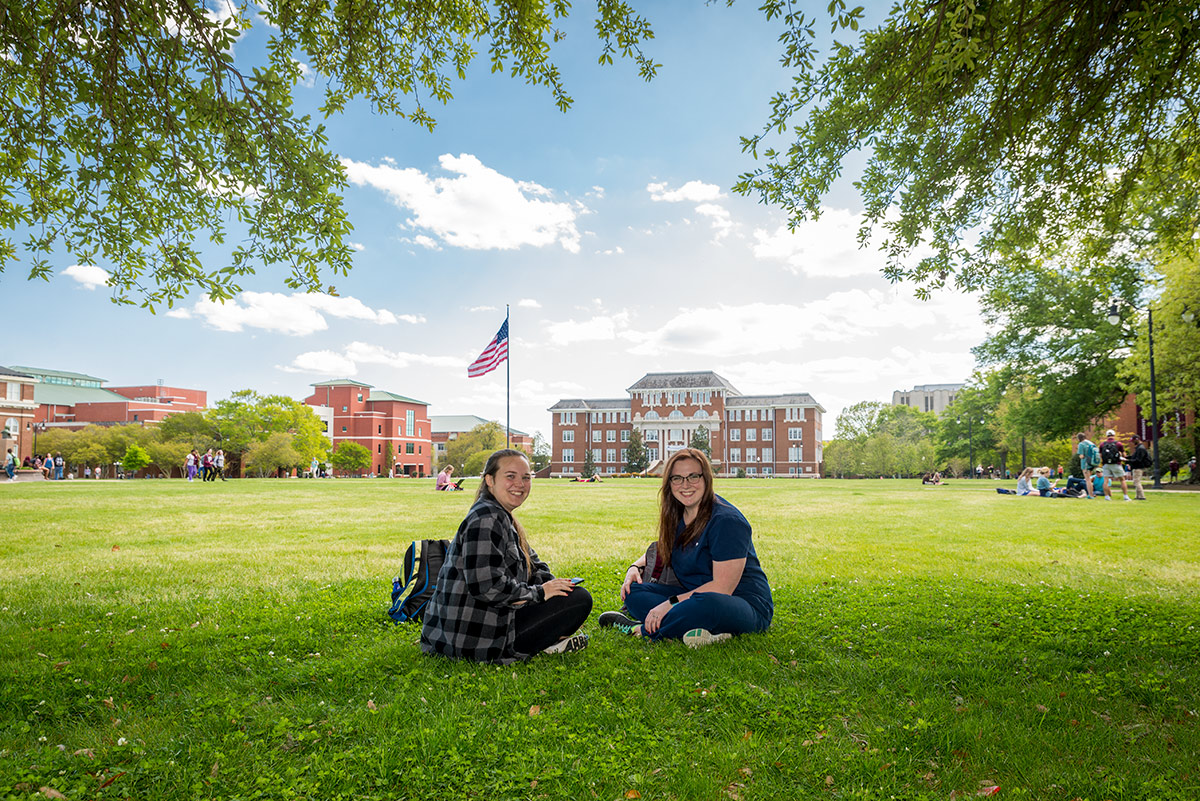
(580, 405)
(788, 399)
(339, 382)
(704, 379)
(13, 373)
(66, 395)
(39, 372)
(383, 395)
(457, 423)
(936, 387)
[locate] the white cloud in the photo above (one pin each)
(692, 191)
(597, 329)
(298, 313)
(702, 195)
(528, 303)
(477, 208)
(356, 354)
(482, 309)
(307, 76)
(358, 246)
(89, 275)
(617, 251)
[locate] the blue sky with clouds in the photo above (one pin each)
(610, 230)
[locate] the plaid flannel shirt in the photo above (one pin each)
(484, 578)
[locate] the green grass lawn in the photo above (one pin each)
(163, 640)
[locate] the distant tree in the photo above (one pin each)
(700, 441)
(589, 463)
(637, 459)
(542, 451)
(246, 417)
(484, 438)
(168, 456)
(195, 427)
(275, 453)
(389, 458)
(134, 459)
(843, 458)
(350, 457)
(859, 421)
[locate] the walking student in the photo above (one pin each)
(1139, 461)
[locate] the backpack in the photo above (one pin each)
(1091, 456)
(1110, 452)
(422, 563)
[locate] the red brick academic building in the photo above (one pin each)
(377, 420)
(765, 435)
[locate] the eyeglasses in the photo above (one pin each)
(690, 478)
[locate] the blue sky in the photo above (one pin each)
(610, 230)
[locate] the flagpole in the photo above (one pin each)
(508, 386)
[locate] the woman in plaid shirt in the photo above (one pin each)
(495, 600)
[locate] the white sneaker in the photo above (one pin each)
(698, 638)
(569, 645)
(1128, 498)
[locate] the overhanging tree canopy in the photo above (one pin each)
(132, 130)
(993, 125)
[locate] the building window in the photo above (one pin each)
(566, 418)
(379, 429)
(343, 408)
(751, 454)
(568, 454)
(596, 456)
(360, 397)
(625, 435)
(652, 435)
(796, 453)
(624, 456)
(379, 448)
(735, 435)
(735, 454)
(652, 454)
(796, 433)
(766, 435)
(408, 447)
(610, 435)
(751, 434)
(568, 436)
(651, 415)
(610, 455)
(675, 415)
(751, 471)
(768, 455)
(343, 429)
(409, 419)
(597, 436)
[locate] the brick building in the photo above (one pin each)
(75, 400)
(448, 427)
(18, 413)
(765, 435)
(377, 420)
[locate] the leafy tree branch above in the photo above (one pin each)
(133, 132)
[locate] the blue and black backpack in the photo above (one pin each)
(422, 563)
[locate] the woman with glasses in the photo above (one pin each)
(495, 600)
(718, 587)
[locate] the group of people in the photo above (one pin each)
(700, 581)
(52, 466)
(1102, 465)
(207, 466)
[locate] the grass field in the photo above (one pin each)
(166, 640)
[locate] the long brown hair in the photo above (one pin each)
(492, 468)
(670, 511)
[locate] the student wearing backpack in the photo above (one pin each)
(1089, 460)
(495, 600)
(1112, 454)
(1139, 460)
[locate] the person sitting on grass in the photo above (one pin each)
(1047, 488)
(720, 588)
(495, 600)
(443, 480)
(1023, 484)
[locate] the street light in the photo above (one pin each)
(1114, 317)
(36, 428)
(970, 444)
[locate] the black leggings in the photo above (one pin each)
(541, 625)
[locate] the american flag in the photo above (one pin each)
(493, 354)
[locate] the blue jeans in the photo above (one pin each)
(717, 612)
(9, 469)
(58, 471)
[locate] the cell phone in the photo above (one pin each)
(576, 580)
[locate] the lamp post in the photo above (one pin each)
(1114, 317)
(37, 427)
(970, 445)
